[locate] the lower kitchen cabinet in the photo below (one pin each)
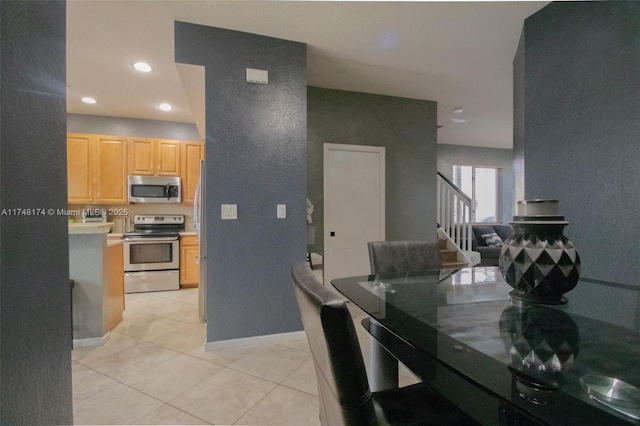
(189, 261)
(114, 286)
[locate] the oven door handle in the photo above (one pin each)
(149, 240)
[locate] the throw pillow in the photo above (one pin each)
(492, 240)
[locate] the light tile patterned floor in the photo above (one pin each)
(154, 370)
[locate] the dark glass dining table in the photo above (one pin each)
(571, 364)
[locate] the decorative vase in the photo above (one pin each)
(543, 344)
(538, 261)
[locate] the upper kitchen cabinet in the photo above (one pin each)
(79, 168)
(168, 158)
(111, 170)
(192, 153)
(154, 157)
(96, 171)
(142, 154)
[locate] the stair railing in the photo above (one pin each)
(454, 213)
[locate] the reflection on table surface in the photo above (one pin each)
(531, 356)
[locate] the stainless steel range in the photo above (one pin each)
(152, 253)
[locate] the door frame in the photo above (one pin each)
(380, 150)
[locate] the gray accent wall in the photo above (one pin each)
(255, 158)
(137, 127)
(87, 268)
(407, 130)
(518, 120)
(580, 121)
(35, 307)
(448, 155)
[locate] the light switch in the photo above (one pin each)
(282, 211)
(229, 211)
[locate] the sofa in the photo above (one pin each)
(487, 240)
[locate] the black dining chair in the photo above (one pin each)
(343, 389)
(390, 259)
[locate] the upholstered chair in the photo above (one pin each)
(391, 259)
(343, 389)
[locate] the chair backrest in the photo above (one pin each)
(391, 259)
(343, 389)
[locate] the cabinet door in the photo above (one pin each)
(111, 171)
(168, 158)
(114, 295)
(191, 156)
(142, 155)
(79, 168)
(189, 266)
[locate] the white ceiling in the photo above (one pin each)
(455, 53)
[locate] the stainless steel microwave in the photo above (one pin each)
(154, 189)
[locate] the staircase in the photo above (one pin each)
(454, 231)
(449, 256)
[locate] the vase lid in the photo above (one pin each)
(539, 222)
(538, 218)
(537, 207)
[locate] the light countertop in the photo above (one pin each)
(90, 228)
(114, 241)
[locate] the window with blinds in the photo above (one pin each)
(482, 185)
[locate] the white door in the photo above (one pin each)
(354, 207)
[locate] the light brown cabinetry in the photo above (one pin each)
(168, 158)
(189, 261)
(110, 170)
(96, 169)
(154, 157)
(142, 154)
(192, 153)
(114, 292)
(79, 168)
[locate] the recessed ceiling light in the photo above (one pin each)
(88, 100)
(458, 120)
(142, 66)
(458, 110)
(165, 107)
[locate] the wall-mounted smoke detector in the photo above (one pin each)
(458, 110)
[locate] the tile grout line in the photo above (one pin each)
(184, 352)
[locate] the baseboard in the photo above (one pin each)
(91, 341)
(223, 344)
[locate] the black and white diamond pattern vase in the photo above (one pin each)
(543, 343)
(538, 261)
